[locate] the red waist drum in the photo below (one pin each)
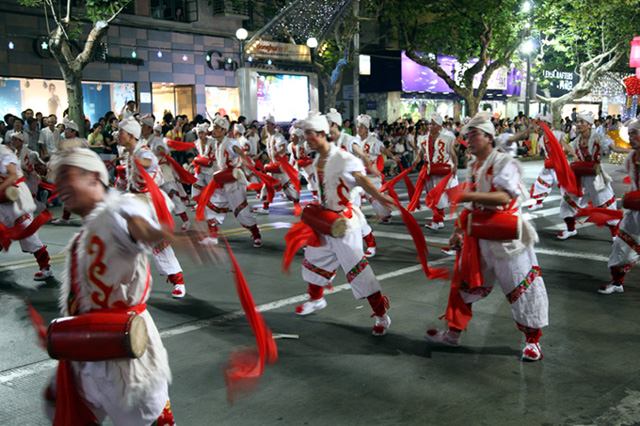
(202, 161)
(305, 162)
(9, 195)
(273, 168)
(494, 225)
(226, 175)
(324, 221)
(585, 168)
(97, 336)
(631, 200)
(440, 169)
(548, 164)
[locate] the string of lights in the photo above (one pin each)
(309, 19)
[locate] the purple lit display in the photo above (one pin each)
(418, 78)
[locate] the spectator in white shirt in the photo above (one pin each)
(49, 138)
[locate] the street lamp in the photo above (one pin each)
(312, 43)
(242, 35)
(527, 49)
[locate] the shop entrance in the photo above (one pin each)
(178, 100)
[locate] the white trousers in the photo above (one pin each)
(225, 200)
(623, 250)
(543, 185)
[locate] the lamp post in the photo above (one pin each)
(527, 49)
(241, 35)
(312, 44)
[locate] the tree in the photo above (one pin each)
(488, 32)
(64, 39)
(589, 36)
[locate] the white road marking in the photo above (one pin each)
(7, 376)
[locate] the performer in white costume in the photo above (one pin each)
(170, 184)
(233, 195)
(374, 148)
(338, 174)
(496, 187)
(205, 166)
(107, 269)
(300, 159)
(589, 146)
(29, 160)
(351, 144)
(541, 188)
(163, 255)
(18, 214)
(277, 150)
(438, 150)
(626, 248)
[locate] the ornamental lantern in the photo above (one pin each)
(634, 56)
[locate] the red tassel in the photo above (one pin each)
(247, 364)
(410, 188)
(268, 181)
(627, 180)
(462, 141)
(256, 186)
(421, 246)
(396, 179)
(380, 163)
(70, 407)
(159, 203)
(38, 323)
(599, 215)
(422, 179)
(16, 233)
(183, 175)
(204, 197)
(433, 197)
(291, 172)
(180, 146)
(566, 177)
(298, 236)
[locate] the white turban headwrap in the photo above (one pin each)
(298, 132)
(270, 119)
(316, 122)
(204, 128)
(18, 135)
(586, 116)
(239, 128)
(365, 120)
(82, 158)
(72, 125)
(148, 120)
(221, 122)
(334, 116)
(436, 118)
(548, 118)
(157, 127)
(131, 126)
(482, 121)
(634, 125)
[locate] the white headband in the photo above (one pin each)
(316, 122)
(334, 116)
(365, 120)
(221, 122)
(239, 128)
(437, 119)
(548, 118)
(131, 126)
(586, 116)
(148, 120)
(270, 119)
(634, 125)
(72, 125)
(482, 121)
(204, 128)
(82, 158)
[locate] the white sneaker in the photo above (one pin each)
(434, 226)
(209, 241)
(59, 221)
(610, 288)
(449, 252)
(447, 338)
(260, 210)
(566, 234)
(257, 243)
(532, 352)
(382, 325)
(179, 290)
(371, 251)
(536, 206)
(42, 274)
(311, 306)
(185, 226)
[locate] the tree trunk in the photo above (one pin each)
(73, 81)
(556, 110)
(472, 105)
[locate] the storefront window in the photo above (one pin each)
(178, 100)
(175, 10)
(225, 101)
(50, 97)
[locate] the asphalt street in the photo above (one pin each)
(336, 372)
